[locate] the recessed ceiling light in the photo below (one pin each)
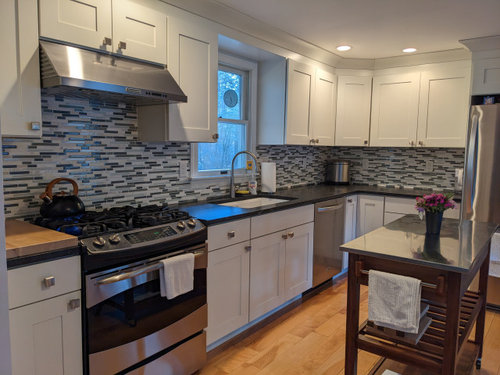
(410, 50)
(343, 48)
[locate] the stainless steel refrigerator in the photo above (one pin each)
(481, 188)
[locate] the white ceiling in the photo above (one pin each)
(378, 28)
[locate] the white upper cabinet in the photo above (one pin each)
(83, 22)
(352, 127)
(323, 108)
(193, 62)
(121, 26)
(444, 105)
(395, 110)
(20, 104)
(486, 79)
(300, 85)
(139, 31)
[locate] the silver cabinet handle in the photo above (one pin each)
(106, 41)
(248, 248)
(35, 125)
(412, 143)
(49, 281)
(284, 236)
(215, 136)
(330, 208)
(370, 204)
(421, 143)
(365, 141)
(231, 234)
(74, 304)
(291, 234)
(349, 200)
(122, 45)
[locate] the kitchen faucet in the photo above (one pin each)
(231, 181)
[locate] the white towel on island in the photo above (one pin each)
(177, 275)
(394, 301)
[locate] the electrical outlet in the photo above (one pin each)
(365, 164)
(183, 169)
(429, 166)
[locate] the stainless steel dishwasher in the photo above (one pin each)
(328, 236)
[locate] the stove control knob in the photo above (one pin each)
(181, 225)
(191, 223)
(99, 242)
(114, 239)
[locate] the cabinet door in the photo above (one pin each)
(227, 290)
(370, 213)
(267, 274)
(351, 206)
(20, 103)
(298, 260)
(46, 337)
(193, 62)
(300, 88)
(486, 78)
(142, 29)
(444, 106)
(350, 218)
(83, 22)
(395, 110)
(323, 108)
(352, 127)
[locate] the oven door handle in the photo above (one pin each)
(135, 273)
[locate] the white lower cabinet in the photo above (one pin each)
(46, 337)
(267, 274)
(228, 290)
(250, 278)
(45, 324)
(370, 213)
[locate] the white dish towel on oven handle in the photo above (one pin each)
(177, 275)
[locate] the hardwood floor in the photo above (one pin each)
(310, 340)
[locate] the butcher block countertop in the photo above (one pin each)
(27, 243)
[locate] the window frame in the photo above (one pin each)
(249, 98)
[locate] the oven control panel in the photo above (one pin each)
(141, 237)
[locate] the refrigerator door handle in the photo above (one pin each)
(476, 117)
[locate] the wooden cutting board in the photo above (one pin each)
(24, 239)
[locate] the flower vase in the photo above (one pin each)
(433, 222)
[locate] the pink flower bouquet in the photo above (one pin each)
(434, 203)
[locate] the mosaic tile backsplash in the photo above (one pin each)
(98, 147)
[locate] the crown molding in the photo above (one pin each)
(482, 43)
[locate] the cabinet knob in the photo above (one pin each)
(365, 141)
(231, 234)
(122, 45)
(106, 41)
(421, 143)
(412, 143)
(215, 136)
(49, 281)
(349, 200)
(35, 125)
(291, 234)
(284, 236)
(74, 304)
(248, 248)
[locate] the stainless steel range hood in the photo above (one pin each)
(78, 72)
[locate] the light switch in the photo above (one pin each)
(429, 166)
(183, 169)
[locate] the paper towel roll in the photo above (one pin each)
(268, 176)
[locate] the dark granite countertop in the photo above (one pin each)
(455, 249)
(211, 213)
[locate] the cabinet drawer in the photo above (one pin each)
(276, 221)
(27, 284)
(223, 235)
(400, 205)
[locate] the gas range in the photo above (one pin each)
(123, 234)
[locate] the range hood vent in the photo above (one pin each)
(78, 72)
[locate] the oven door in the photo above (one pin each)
(127, 321)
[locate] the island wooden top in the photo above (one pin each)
(24, 239)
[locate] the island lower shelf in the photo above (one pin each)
(428, 353)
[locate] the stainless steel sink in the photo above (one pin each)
(254, 202)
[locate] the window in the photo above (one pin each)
(235, 112)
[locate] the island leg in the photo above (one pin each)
(352, 320)
(483, 284)
(452, 320)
